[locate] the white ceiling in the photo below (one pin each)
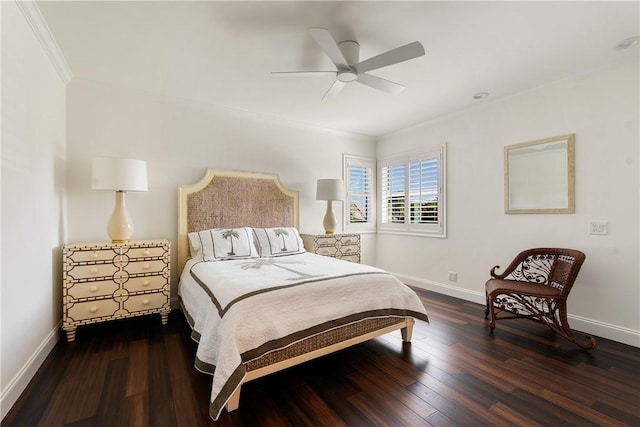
(222, 53)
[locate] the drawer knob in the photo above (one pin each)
(94, 271)
(146, 283)
(145, 267)
(94, 309)
(93, 289)
(347, 250)
(145, 252)
(94, 255)
(145, 301)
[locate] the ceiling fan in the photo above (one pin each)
(345, 56)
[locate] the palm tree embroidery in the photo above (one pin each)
(262, 262)
(230, 234)
(282, 232)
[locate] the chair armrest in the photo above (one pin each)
(496, 275)
(512, 266)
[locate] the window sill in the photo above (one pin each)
(414, 233)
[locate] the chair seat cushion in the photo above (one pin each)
(499, 286)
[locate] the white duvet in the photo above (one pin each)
(242, 309)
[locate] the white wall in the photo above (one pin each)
(180, 140)
(33, 186)
(602, 109)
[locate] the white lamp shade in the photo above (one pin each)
(114, 173)
(330, 189)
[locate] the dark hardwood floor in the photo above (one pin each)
(136, 372)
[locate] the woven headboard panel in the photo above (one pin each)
(224, 198)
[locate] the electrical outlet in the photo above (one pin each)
(598, 227)
(453, 276)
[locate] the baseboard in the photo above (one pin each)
(442, 288)
(19, 383)
(579, 323)
(605, 330)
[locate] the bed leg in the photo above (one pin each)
(234, 401)
(407, 331)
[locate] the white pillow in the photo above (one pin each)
(278, 241)
(222, 243)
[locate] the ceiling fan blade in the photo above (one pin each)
(329, 46)
(334, 90)
(302, 73)
(393, 56)
(382, 84)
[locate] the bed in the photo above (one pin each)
(256, 301)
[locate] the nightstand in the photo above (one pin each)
(341, 246)
(107, 281)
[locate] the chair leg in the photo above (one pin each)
(589, 345)
(491, 311)
(566, 331)
(486, 308)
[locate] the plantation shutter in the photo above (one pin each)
(360, 207)
(412, 199)
(393, 193)
(423, 196)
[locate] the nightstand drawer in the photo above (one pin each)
(92, 271)
(350, 240)
(329, 240)
(353, 258)
(141, 267)
(92, 309)
(154, 252)
(145, 302)
(147, 283)
(97, 289)
(94, 255)
(327, 250)
(349, 249)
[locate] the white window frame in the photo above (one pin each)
(437, 229)
(351, 161)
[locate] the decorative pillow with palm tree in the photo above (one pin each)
(222, 243)
(278, 241)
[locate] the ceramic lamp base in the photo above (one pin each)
(329, 222)
(120, 225)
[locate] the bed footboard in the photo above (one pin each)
(320, 345)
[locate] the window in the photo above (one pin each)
(412, 198)
(360, 206)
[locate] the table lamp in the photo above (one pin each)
(330, 190)
(119, 175)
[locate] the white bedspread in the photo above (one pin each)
(242, 309)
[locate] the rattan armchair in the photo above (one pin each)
(535, 286)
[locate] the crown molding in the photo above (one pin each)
(32, 14)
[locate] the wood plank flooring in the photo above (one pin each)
(136, 372)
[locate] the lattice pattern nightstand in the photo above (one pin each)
(107, 281)
(341, 246)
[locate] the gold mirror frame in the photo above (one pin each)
(539, 176)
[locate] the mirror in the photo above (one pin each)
(539, 176)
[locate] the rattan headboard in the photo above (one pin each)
(224, 198)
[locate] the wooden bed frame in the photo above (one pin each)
(225, 198)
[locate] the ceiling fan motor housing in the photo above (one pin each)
(351, 51)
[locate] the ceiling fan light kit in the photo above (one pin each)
(345, 57)
(347, 76)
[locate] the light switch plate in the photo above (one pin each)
(598, 227)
